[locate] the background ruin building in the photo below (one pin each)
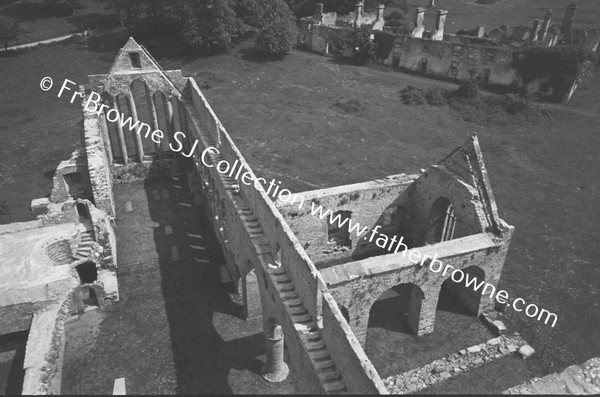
(462, 56)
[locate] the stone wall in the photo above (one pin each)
(429, 187)
(370, 204)
(45, 350)
(360, 375)
(255, 236)
(449, 59)
(357, 285)
(98, 164)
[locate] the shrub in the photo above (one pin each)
(350, 106)
(473, 107)
(563, 64)
(468, 90)
(360, 41)
(436, 97)
(513, 104)
(412, 96)
(385, 44)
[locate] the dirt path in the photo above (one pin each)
(47, 41)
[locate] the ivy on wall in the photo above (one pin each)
(385, 44)
(561, 65)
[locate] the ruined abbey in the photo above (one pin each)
(313, 299)
(312, 283)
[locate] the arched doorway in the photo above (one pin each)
(89, 296)
(87, 272)
(82, 211)
(398, 309)
(457, 297)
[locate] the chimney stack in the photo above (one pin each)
(535, 31)
(380, 9)
(359, 8)
(480, 31)
(440, 21)
(359, 13)
(545, 25)
(319, 9)
(419, 17)
(567, 22)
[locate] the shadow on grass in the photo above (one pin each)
(254, 55)
(93, 21)
(193, 293)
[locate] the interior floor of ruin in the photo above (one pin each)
(175, 329)
(12, 356)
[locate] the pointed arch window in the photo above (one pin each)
(442, 222)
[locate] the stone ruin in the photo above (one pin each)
(303, 304)
(314, 299)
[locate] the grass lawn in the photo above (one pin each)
(37, 129)
(40, 20)
(455, 329)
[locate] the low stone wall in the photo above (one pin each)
(445, 368)
(45, 348)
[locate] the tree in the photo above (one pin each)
(277, 37)
(278, 31)
(9, 31)
(259, 13)
(123, 9)
(75, 5)
(360, 41)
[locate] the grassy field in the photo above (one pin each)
(37, 129)
(283, 116)
(40, 20)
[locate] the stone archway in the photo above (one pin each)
(87, 272)
(457, 297)
(398, 308)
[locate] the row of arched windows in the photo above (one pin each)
(153, 109)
